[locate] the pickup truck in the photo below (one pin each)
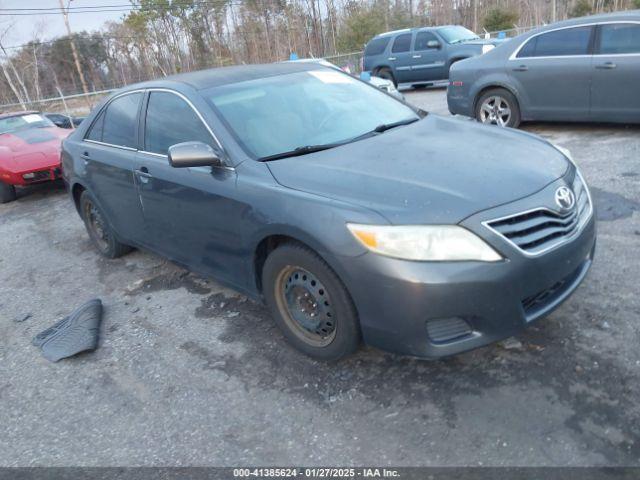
(422, 55)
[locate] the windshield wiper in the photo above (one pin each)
(298, 151)
(388, 126)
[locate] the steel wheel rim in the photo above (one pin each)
(96, 226)
(305, 305)
(495, 110)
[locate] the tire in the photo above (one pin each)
(296, 283)
(387, 74)
(494, 101)
(100, 232)
(7, 193)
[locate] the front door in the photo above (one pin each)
(615, 87)
(428, 60)
(552, 72)
(189, 213)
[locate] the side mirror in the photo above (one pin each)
(193, 154)
(433, 44)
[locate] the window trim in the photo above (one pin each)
(103, 109)
(514, 55)
(597, 44)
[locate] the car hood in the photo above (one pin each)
(437, 170)
(31, 148)
(485, 41)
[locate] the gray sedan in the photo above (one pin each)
(351, 214)
(585, 69)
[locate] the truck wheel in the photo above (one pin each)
(100, 232)
(498, 107)
(7, 193)
(387, 74)
(309, 303)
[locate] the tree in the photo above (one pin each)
(581, 8)
(500, 19)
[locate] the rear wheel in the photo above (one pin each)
(101, 234)
(498, 107)
(309, 303)
(387, 74)
(7, 193)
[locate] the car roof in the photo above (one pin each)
(411, 30)
(17, 114)
(214, 77)
(602, 17)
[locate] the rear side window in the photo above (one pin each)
(95, 133)
(422, 39)
(120, 121)
(402, 43)
(569, 41)
(616, 38)
(376, 46)
(171, 120)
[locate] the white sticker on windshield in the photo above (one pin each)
(327, 76)
(32, 118)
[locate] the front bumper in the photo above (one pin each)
(30, 177)
(435, 309)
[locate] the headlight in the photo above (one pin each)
(424, 242)
(487, 48)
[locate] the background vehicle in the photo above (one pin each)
(422, 55)
(64, 121)
(350, 213)
(29, 151)
(584, 69)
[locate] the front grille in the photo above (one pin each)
(541, 229)
(535, 303)
(39, 176)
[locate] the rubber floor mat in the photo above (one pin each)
(76, 333)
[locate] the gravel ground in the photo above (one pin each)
(190, 373)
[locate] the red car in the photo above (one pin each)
(29, 151)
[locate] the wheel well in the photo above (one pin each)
(77, 192)
(492, 87)
(264, 248)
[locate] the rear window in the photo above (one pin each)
(569, 41)
(376, 46)
(617, 38)
(402, 43)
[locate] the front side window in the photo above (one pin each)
(171, 120)
(402, 43)
(619, 38)
(272, 115)
(121, 121)
(376, 46)
(423, 39)
(568, 41)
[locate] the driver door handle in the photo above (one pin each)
(521, 68)
(391, 58)
(606, 66)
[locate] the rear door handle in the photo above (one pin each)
(417, 56)
(606, 66)
(143, 174)
(521, 68)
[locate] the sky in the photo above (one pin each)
(20, 29)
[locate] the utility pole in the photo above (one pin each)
(475, 16)
(553, 10)
(74, 51)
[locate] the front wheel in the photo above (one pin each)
(101, 234)
(7, 193)
(309, 303)
(498, 107)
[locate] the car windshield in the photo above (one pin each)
(457, 34)
(305, 110)
(23, 122)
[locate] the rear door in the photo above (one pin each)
(615, 88)
(428, 62)
(190, 214)
(552, 73)
(400, 58)
(108, 153)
